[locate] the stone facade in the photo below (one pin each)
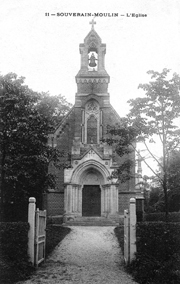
(84, 187)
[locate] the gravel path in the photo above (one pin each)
(87, 255)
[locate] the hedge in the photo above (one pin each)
(54, 235)
(14, 261)
(158, 253)
(119, 232)
(160, 216)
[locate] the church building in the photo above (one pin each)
(83, 188)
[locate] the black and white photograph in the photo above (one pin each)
(90, 141)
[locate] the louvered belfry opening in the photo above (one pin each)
(92, 130)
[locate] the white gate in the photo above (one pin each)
(40, 236)
(37, 233)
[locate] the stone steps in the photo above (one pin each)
(91, 221)
(55, 220)
(90, 224)
(87, 221)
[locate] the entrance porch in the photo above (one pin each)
(91, 200)
(92, 197)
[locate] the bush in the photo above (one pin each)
(119, 232)
(54, 235)
(158, 253)
(15, 212)
(160, 216)
(14, 261)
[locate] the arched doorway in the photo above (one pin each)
(89, 192)
(91, 179)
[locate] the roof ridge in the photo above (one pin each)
(61, 124)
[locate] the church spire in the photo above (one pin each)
(139, 169)
(139, 178)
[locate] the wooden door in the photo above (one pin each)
(91, 200)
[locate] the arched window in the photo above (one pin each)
(92, 130)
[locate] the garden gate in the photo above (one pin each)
(37, 233)
(40, 236)
(130, 231)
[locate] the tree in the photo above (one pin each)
(174, 181)
(150, 117)
(154, 202)
(24, 154)
(53, 108)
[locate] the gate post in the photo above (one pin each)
(126, 236)
(132, 228)
(31, 233)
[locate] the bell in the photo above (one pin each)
(92, 61)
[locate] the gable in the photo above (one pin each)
(92, 153)
(65, 121)
(92, 37)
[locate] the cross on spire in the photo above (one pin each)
(92, 23)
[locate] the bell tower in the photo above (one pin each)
(92, 97)
(92, 77)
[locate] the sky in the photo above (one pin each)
(45, 49)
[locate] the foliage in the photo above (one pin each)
(14, 261)
(174, 181)
(54, 235)
(25, 155)
(150, 116)
(155, 201)
(158, 253)
(122, 138)
(53, 108)
(155, 217)
(119, 232)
